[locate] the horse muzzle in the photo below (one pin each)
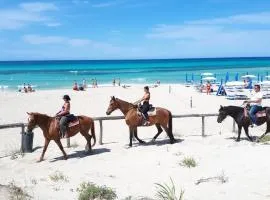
(108, 113)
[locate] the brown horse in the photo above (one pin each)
(50, 127)
(163, 118)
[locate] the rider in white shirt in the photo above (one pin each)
(255, 102)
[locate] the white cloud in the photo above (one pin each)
(25, 14)
(108, 4)
(79, 42)
(37, 40)
(38, 7)
(254, 18)
(79, 2)
(53, 24)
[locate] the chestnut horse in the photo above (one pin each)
(50, 127)
(163, 118)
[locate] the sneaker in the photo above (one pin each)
(146, 123)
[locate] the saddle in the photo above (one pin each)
(261, 113)
(151, 112)
(72, 121)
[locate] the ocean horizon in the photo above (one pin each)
(52, 74)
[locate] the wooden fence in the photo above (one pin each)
(101, 119)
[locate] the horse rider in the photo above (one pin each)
(255, 102)
(63, 114)
(145, 106)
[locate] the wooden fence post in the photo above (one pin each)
(203, 128)
(233, 126)
(101, 132)
(68, 142)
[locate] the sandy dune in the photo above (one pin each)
(134, 171)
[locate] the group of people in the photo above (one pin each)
(116, 82)
(80, 87)
(26, 88)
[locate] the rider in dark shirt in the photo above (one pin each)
(145, 106)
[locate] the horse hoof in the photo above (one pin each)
(142, 142)
(237, 140)
(40, 160)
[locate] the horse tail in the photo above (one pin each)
(170, 122)
(93, 132)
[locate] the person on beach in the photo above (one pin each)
(208, 87)
(29, 88)
(113, 82)
(75, 86)
(63, 115)
(145, 106)
(255, 102)
(119, 82)
(84, 84)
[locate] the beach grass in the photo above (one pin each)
(188, 162)
(91, 191)
(265, 139)
(58, 176)
(17, 193)
(168, 192)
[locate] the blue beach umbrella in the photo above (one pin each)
(236, 77)
(227, 77)
(261, 78)
(258, 77)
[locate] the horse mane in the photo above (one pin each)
(233, 110)
(130, 104)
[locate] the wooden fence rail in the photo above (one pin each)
(101, 119)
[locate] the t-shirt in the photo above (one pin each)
(255, 96)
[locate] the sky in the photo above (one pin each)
(133, 29)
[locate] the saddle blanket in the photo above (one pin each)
(73, 123)
(151, 112)
(261, 114)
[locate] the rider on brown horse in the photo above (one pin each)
(63, 114)
(145, 106)
(256, 103)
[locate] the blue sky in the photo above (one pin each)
(131, 29)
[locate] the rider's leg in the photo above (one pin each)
(253, 110)
(63, 125)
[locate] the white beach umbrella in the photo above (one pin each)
(207, 74)
(249, 76)
(209, 78)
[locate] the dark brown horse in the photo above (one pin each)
(239, 114)
(50, 127)
(163, 118)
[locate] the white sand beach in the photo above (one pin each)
(134, 171)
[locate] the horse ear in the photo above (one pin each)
(113, 98)
(221, 107)
(28, 113)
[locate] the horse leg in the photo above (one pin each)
(59, 144)
(88, 137)
(130, 136)
(172, 140)
(267, 130)
(158, 133)
(47, 141)
(246, 131)
(136, 136)
(239, 133)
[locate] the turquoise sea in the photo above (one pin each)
(62, 74)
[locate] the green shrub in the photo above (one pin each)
(90, 191)
(188, 162)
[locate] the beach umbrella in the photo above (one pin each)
(258, 77)
(207, 74)
(236, 77)
(261, 78)
(209, 78)
(186, 77)
(227, 77)
(250, 76)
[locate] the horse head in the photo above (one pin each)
(112, 106)
(32, 121)
(222, 114)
